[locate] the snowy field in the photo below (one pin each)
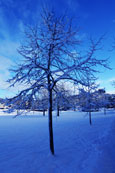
(79, 147)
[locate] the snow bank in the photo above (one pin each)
(79, 147)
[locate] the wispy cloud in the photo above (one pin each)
(107, 84)
(73, 5)
(8, 55)
(5, 64)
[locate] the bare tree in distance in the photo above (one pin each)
(88, 96)
(51, 54)
(61, 97)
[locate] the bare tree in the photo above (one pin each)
(88, 96)
(103, 101)
(42, 101)
(61, 98)
(51, 54)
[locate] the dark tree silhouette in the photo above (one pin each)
(50, 55)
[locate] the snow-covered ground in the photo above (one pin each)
(79, 147)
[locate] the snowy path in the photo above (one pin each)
(79, 147)
(106, 162)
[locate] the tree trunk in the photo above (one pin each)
(43, 112)
(104, 111)
(50, 122)
(90, 120)
(57, 110)
(74, 108)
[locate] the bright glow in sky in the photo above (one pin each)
(94, 18)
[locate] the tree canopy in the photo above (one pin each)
(51, 54)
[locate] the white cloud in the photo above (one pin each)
(5, 74)
(5, 64)
(112, 79)
(8, 48)
(107, 84)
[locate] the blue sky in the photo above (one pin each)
(93, 16)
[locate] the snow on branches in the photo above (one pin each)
(51, 54)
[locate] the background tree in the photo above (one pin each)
(50, 54)
(103, 101)
(88, 97)
(61, 98)
(42, 101)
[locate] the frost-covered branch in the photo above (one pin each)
(51, 54)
